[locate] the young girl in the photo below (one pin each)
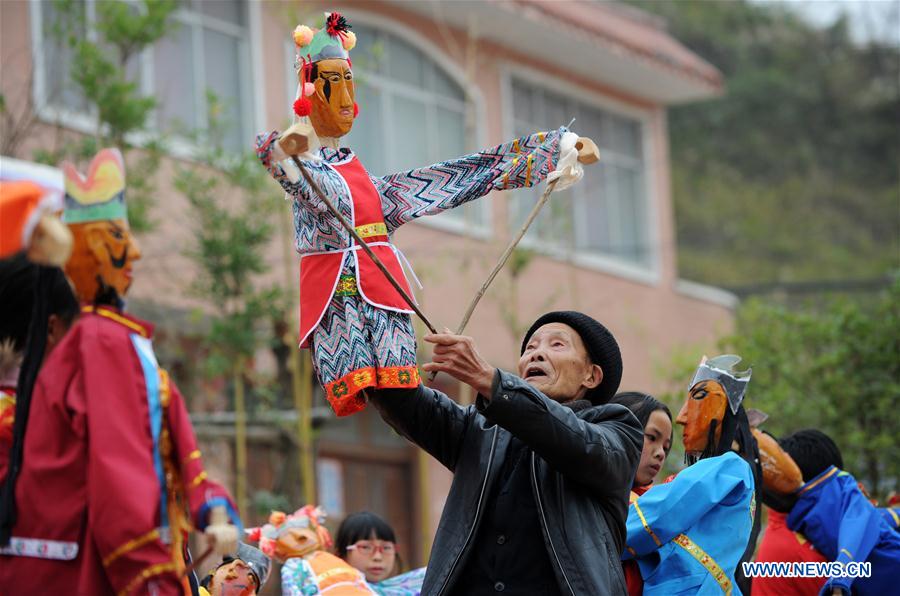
(656, 419)
(368, 543)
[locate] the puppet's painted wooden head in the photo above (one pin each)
(716, 390)
(325, 91)
(295, 535)
(104, 249)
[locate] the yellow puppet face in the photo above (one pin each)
(102, 258)
(296, 542)
(332, 103)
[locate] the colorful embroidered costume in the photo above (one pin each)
(843, 525)
(405, 584)
(688, 535)
(112, 478)
(322, 573)
(357, 324)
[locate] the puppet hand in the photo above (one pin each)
(295, 140)
(587, 151)
(222, 535)
(456, 355)
(568, 169)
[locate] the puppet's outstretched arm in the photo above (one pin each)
(430, 190)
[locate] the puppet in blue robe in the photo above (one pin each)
(690, 535)
(834, 515)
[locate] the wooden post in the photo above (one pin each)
(301, 373)
(240, 438)
(302, 389)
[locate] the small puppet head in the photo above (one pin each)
(241, 575)
(296, 535)
(325, 90)
(104, 249)
(715, 393)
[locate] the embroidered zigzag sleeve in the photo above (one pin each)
(430, 190)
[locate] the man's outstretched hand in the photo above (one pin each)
(456, 355)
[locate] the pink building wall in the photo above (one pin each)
(652, 315)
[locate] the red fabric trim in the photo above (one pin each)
(345, 394)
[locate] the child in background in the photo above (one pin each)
(368, 543)
(656, 419)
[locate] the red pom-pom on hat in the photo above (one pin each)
(302, 106)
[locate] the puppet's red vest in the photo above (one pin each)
(319, 273)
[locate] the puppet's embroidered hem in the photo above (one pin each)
(345, 396)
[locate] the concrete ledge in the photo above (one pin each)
(706, 293)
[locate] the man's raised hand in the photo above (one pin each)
(457, 356)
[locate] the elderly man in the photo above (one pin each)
(542, 468)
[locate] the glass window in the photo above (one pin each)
(204, 51)
(411, 112)
(607, 212)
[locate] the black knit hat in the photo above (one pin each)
(600, 344)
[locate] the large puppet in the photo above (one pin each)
(111, 479)
(300, 543)
(356, 322)
(690, 534)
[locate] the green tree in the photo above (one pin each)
(100, 72)
(231, 236)
(792, 174)
(836, 368)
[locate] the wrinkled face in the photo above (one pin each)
(296, 542)
(102, 257)
(375, 558)
(706, 403)
(233, 579)
(657, 442)
(332, 103)
(556, 363)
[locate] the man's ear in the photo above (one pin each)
(595, 378)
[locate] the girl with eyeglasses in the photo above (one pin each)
(368, 543)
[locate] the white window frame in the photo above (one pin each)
(253, 99)
(484, 228)
(649, 274)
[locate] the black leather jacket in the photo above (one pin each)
(582, 467)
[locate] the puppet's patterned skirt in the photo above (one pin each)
(357, 345)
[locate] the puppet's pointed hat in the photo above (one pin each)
(99, 196)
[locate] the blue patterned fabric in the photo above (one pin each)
(837, 518)
(405, 584)
(298, 578)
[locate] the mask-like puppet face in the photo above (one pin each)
(296, 542)
(233, 579)
(333, 100)
(102, 258)
(704, 408)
